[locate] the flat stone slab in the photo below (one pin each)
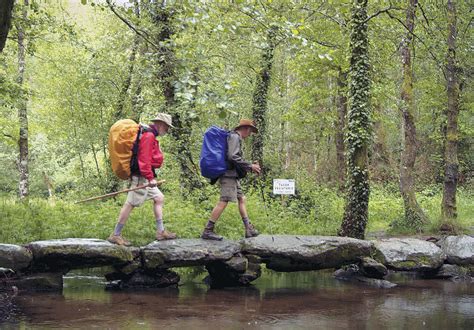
(187, 252)
(409, 254)
(72, 253)
(294, 253)
(459, 250)
(14, 257)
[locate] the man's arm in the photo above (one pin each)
(145, 149)
(234, 153)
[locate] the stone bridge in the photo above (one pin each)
(41, 264)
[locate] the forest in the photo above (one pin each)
(367, 105)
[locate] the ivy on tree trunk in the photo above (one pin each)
(181, 133)
(448, 206)
(260, 95)
(358, 127)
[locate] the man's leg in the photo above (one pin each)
(116, 236)
(217, 211)
(250, 230)
(161, 233)
(208, 232)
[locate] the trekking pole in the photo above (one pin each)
(158, 183)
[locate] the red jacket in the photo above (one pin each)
(149, 155)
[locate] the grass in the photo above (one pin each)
(316, 212)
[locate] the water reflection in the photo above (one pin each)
(305, 300)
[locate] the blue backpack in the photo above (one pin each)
(213, 160)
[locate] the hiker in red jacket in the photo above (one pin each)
(149, 158)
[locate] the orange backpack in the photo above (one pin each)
(123, 146)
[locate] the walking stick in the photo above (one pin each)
(260, 184)
(158, 183)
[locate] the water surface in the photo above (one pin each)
(303, 300)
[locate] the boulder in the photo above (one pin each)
(459, 250)
(371, 268)
(72, 253)
(238, 271)
(454, 272)
(187, 252)
(15, 257)
(160, 278)
(409, 254)
(39, 282)
(353, 274)
(294, 253)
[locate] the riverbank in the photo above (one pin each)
(317, 213)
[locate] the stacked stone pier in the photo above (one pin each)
(41, 265)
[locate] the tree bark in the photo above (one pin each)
(260, 96)
(137, 102)
(414, 216)
(448, 206)
(6, 8)
(358, 123)
(48, 184)
(22, 110)
(190, 179)
(119, 111)
(341, 105)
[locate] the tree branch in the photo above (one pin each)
(422, 42)
(130, 25)
(386, 10)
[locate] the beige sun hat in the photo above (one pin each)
(247, 122)
(164, 118)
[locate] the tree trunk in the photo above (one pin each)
(119, 111)
(358, 123)
(137, 102)
(260, 96)
(190, 180)
(414, 216)
(6, 7)
(22, 110)
(448, 206)
(341, 105)
(48, 184)
(113, 181)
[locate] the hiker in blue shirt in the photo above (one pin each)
(231, 191)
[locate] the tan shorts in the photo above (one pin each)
(138, 197)
(230, 189)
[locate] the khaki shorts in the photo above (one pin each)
(230, 189)
(138, 197)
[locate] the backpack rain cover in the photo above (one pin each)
(213, 160)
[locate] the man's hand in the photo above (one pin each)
(152, 183)
(256, 168)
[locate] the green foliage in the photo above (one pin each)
(313, 211)
(79, 59)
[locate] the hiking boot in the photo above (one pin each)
(118, 239)
(250, 231)
(210, 234)
(164, 235)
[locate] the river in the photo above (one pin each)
(301, 300)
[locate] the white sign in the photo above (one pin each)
(283, 186)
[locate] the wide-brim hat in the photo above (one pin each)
(247, 122)
(164, 117)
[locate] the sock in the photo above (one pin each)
(246, 221)
(210, 224)
(159, 225)
(118, 229)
